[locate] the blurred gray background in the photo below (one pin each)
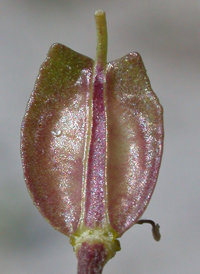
(167, 35)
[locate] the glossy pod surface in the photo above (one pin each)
(91, 141)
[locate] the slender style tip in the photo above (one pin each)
(101, 27)
(99, 13)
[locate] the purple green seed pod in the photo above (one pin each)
(91, 147)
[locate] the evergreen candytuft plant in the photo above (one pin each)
(91, 147)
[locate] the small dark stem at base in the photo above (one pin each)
(155, 228)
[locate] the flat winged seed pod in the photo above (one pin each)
(91, 147)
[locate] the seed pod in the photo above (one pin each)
(91, 146)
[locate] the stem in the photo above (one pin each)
(91, 258)
(101, 27)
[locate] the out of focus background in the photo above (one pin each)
(167, 35)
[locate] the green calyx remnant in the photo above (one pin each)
(107, 236)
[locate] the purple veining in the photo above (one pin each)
(95, 195)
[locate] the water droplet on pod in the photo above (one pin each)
(57, 132)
